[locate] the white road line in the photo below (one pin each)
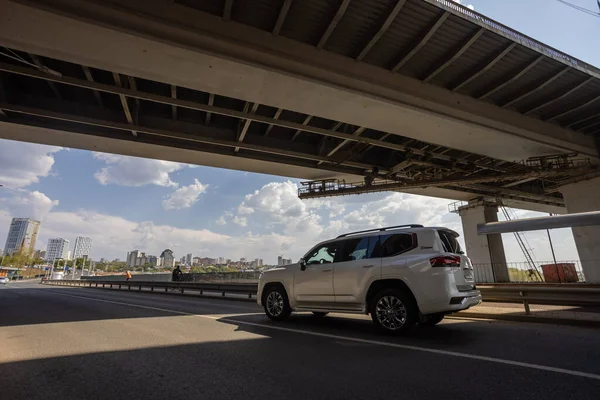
(359, 340)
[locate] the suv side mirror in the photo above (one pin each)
(302, 264)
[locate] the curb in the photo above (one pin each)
(524, 318)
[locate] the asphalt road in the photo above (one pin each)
(77, 343)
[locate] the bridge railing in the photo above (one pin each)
(550, 294)
(568, 271)
(247, 289)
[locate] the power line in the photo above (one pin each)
(579, 8)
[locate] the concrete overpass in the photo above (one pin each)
(442, 100)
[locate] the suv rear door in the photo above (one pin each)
(392, 248)
(354, 270)
(463, 277)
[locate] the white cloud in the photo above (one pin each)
(24, 204)
(134, 171)
(469, 6)
(241, 221)
(221, 221)
(277, 205)
(22, 164)
(184, 197)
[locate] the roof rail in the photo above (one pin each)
(381, 229)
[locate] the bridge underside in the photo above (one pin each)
(502, 102)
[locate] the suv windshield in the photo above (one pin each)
(450, 243)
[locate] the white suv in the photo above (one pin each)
(401, 275)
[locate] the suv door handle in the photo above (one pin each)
(327, 270)
(368, 266)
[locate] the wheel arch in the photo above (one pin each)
(394, 283)
(270, 285)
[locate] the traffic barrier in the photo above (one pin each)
(248, 289)
(548, 294)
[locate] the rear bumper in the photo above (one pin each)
(458, 302)
(472, 299)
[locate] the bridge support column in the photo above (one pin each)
(485, 251)
(582, 197)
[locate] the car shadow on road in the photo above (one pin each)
(448, 335)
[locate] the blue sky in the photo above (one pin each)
(125, 203)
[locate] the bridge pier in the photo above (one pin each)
(582, 197)
(485, 251)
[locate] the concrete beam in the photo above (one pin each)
(33, 134)
(173, 44)
(382, 29)
(416, 47)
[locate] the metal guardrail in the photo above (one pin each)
(556, 295)
(249, 289)
(548, 294)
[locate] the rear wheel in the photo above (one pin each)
(319, 314)
(276, 304)
(393, 311)
(431, 320)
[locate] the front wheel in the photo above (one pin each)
(393, 311)
(276, 304)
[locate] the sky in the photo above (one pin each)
(125, 203)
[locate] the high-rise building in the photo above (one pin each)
(131, 258)
(188, 259)
(57, 248)
(167, 259)
(82, 247)
(260, 262)
(279, 261)
(152, 260)
(136, 258)
(22, 235)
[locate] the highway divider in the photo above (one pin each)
(247, 289)
(558, 295)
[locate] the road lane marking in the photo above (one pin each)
(358, 340)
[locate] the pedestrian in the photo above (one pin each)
(176, 275)
(128, 275)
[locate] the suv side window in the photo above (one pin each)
(395, 244)
(449, 242)
(356, 249)
(324, 254)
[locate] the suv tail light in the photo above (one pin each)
(445, 261)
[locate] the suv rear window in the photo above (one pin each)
(449, 242)
(392, 245)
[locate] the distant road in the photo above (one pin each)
(69, 343)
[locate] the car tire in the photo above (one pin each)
(431, 320)
(276, 304)
(319, 314)
(393, 311)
